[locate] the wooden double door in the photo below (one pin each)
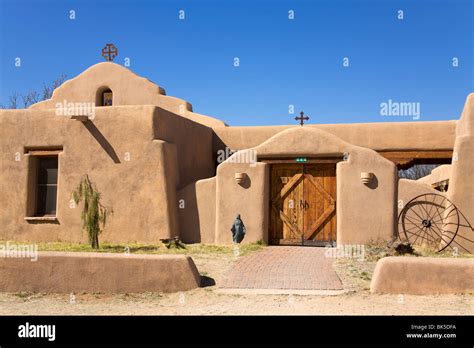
(303, 204)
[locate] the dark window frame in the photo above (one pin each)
(100, 98)
(104, 103)
(42, 207)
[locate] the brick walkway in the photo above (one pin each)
(284, 267)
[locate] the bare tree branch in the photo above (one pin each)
(13, 101)
(417, 171)
(30, 98)
(48, 90)
(33, 97)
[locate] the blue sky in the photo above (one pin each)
(282, 62)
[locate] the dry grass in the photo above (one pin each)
(374, 251)
(158, 248)
(356, 274)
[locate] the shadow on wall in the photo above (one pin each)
(245, 182)
(374, 183)
(102, 140)
(207, 281)
(218, 146)
(39, 222)
(189, 224)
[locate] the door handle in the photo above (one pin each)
(303, 204)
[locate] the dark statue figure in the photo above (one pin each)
(238, 230)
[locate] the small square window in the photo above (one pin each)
(107, 98)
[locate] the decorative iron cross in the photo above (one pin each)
(109, 52)
(302, 118)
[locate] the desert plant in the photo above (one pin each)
(94, 214)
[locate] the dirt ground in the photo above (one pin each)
(211, 301)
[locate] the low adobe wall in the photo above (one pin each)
(423, 276)
(58, 272)
(438, 174)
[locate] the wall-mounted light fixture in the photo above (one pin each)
(240, 178)
(366, 177)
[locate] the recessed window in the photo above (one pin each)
(107, 98)
(441, 186)
(42, 194)
(47, 186)
(104, 97)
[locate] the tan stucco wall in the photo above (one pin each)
(438, 174)
(409, 189)
(166, 152)
(423, 276)
(57, 272)
(465, 126)
(128, 89)
(250, 200)
(461, 183)
(172, 154)
(459, 173)
(141, 191)
(193, 142)
(364, 213)
(197, 212)
(393, 136)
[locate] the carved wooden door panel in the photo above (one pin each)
(303, 204)
(286, 222)
(320, 200)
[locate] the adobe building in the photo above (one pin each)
(163, 169)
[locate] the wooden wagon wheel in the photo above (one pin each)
(429, 219)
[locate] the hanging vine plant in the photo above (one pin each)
(94, 214)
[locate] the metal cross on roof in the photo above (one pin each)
(302, 118)
(109, 52)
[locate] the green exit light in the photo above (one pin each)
(301, 159)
